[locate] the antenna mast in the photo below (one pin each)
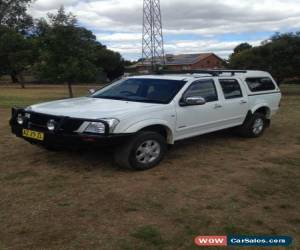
(153, 43)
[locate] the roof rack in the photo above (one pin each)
(214, 72)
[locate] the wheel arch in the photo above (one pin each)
(263, 109)
(157, 126)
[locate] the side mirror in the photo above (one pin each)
(193, 101)
(91, 91)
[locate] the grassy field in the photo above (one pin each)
(11, 95)
(216, 184)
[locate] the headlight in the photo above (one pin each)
(95, 128)
(99, 127)
(20, 119)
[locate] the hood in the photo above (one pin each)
(90, 108)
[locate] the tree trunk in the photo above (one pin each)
(70, 90)
(279, 80)
(22, 81)
(14, 77)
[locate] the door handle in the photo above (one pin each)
(217, 106)
(243, 102)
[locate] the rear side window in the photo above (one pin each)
(231, 88)
(260, 84)
(203, 88)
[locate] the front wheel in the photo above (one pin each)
(142, 152)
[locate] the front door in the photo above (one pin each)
(199, 119)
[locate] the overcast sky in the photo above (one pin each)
(190, 26)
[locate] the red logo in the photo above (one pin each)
(211, 241)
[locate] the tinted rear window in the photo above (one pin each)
(260, 84)
(231, 88)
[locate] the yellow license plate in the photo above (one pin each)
(33, 134)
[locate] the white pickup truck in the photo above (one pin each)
(141, 115)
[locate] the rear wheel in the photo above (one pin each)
(142, 152)
(254, 126)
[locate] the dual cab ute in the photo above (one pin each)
(141, 115)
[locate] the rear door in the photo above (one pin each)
(235, 101)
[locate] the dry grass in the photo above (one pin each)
(215, 184)
(12, 95)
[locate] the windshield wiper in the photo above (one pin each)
(147, 101)
(121, 98)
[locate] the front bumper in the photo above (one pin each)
(61, 137)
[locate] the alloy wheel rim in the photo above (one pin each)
(258, 126)
(148, 152)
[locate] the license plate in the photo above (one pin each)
(33, 134)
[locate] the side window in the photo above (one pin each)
(260, 84)
(203, 88)
(231, 88)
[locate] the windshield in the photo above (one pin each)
(141, 90)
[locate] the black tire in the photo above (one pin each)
(254, 126)
(126, 155)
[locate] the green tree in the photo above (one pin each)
(111, 62)
(284, 50)
(66, 50)
(15, 54)
(16, 44)
(242, 47)
(280, 56)
(13, 14)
